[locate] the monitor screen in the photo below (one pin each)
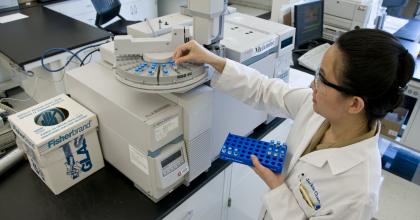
(8, 5)
(414, 49)
(308, 20)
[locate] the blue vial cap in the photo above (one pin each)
(150, 72)
(163, 65)
(165, 71)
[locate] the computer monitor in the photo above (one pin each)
(8, 5)
(308, 21)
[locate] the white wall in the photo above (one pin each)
(169, 6)
(261, 4)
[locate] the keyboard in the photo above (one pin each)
(410, 31)
(312, 59)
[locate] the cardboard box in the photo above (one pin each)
(60, 139)
(391, 124)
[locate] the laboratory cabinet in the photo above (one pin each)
(166, 7)
(410, 136)
(246, 190)
(136, 10)
(234, 194)
(84, 11)
(403, 124)
(206, 204)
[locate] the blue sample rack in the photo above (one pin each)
(239, 149)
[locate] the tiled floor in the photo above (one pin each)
(399, 199)
(400, 191)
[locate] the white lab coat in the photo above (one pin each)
(345, 181)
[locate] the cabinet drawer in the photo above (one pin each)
(138, 10)
(206, 204)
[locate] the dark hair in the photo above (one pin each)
(376, 67)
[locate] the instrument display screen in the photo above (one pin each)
(171, 158)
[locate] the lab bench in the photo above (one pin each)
(27, 41)
(108, 194)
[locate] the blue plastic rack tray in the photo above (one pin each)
(239, 149)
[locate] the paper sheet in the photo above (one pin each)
(12, 17)
(393, 24)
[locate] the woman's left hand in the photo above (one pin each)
(270, 178)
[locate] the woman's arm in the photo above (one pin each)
(253, 88)
(195, 53)
(246, 84)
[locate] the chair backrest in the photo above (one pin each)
(106, 10)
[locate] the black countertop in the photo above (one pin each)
(25, 40)
(106, 194)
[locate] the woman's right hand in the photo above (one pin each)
(195, 53)
(272, 180)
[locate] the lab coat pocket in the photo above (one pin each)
(304, 201)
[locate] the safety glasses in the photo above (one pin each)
(320, 79)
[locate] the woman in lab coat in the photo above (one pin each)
(333, 166)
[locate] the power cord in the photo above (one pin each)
(73, 55)
(7, 108)
(89, 54)
(13, 99)
(8, 152)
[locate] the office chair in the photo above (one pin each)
(106, 10)
(394, 7)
